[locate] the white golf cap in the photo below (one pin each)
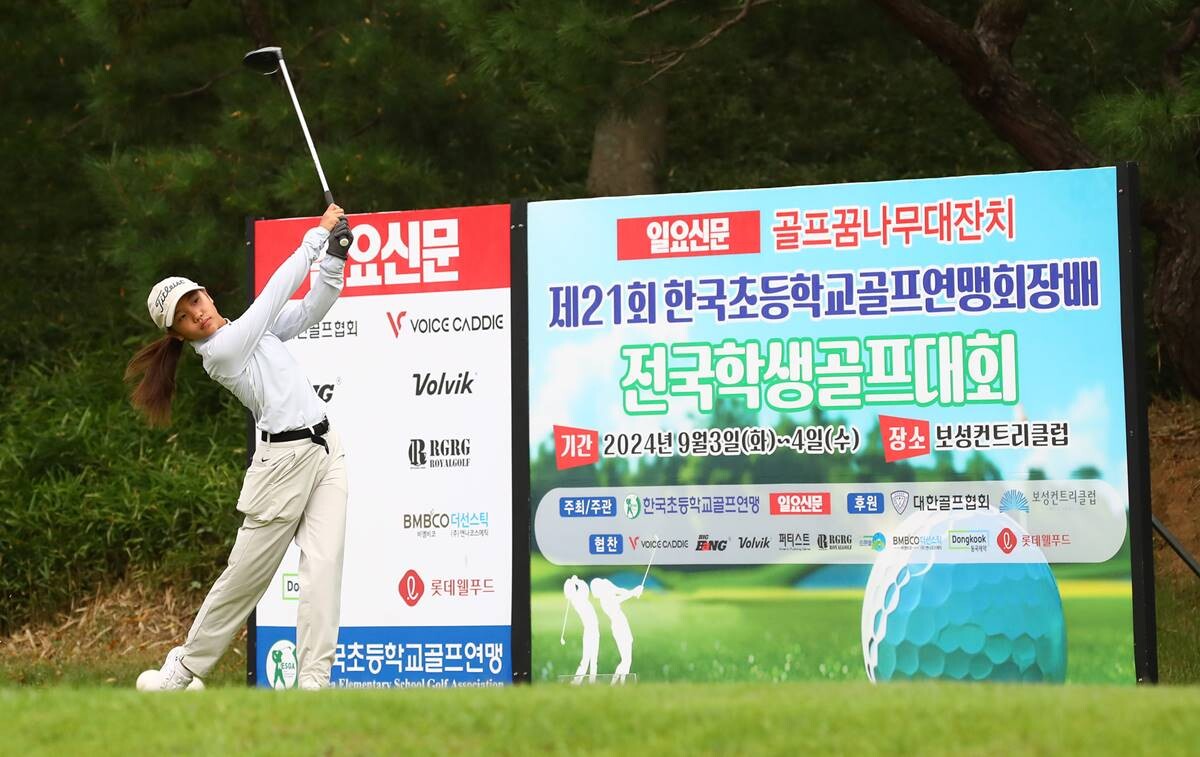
(164, 296)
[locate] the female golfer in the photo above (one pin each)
(296, 484)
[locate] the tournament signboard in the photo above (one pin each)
(865, 431)
(414, 363)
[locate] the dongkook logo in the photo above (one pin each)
(281, 665)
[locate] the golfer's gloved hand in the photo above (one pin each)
(340, 239)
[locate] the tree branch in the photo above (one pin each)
(982, 61)
(998, 24)
(665, 60)
(652, 9)
(952, 44)
(203, 87)
(1173, 60)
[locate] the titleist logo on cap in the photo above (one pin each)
(162, 296)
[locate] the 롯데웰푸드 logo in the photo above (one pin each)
(1007, 541)
(1014, 501)
(411, 587)
(282, 665)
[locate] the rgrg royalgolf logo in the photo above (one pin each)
(282, 665)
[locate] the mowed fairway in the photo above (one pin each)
(810, 718)
(775, 634)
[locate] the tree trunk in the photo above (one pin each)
(981, 59)
(258, 22)
(628, 148)
(1175, 286)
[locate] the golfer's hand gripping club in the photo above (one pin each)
(340, 239)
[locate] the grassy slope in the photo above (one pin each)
(675, 719)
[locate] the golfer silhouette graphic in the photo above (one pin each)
(577, 595)
(611, 596)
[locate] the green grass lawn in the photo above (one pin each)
(818, 718)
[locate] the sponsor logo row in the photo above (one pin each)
(801, 503)
(1005, 541)
(412, 587)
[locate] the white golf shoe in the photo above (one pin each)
(174, 676)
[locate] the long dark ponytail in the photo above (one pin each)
(156, 364)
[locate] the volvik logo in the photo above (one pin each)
(427, 384)
(397, 322)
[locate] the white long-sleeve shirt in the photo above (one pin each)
(247, 356)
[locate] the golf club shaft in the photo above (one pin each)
(647, 573)
(307, 137)
(563, 634)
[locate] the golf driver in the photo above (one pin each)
(562, 636)
(266, 61)
(647, 573)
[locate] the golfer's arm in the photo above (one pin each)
(297, 316)
(240, 337)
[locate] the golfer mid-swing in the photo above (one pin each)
(295, 486)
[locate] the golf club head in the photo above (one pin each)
(264, 60)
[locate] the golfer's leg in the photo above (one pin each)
(256, 555)
(321, 536)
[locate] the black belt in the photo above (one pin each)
(316, 433)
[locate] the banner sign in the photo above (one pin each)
(864, 431)
(414, 363)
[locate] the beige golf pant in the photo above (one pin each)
(291, 490)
